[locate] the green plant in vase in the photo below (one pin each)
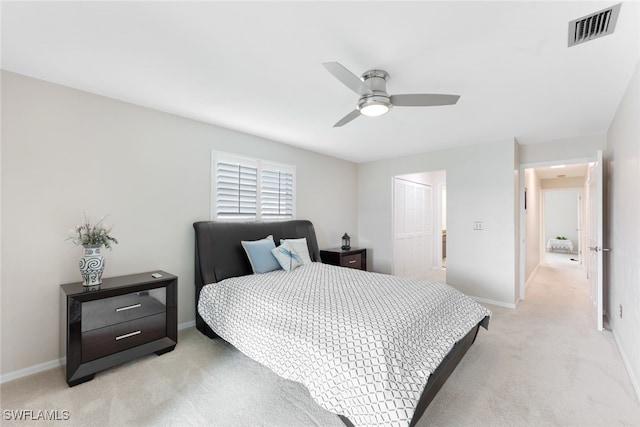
(92, 237)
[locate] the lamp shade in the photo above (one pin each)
(374, 110)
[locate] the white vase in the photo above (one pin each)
(92, 265)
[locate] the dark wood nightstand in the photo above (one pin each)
(353, 258)
(124, 318)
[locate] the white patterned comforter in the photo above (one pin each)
(364, 344)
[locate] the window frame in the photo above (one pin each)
(260, 165)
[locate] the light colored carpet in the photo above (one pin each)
(543, 364)
(539, 365)
(562, 259)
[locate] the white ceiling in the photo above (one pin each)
(256, 67)
(568, 171)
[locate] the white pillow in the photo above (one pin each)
(301, 248)
(287, 257)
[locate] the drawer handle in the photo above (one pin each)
(353, 261)
(129, 307)
(130, 334)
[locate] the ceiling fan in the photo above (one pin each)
(374, 99)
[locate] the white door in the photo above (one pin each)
(413, 228)
(595, 239)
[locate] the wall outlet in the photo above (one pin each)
(621, 311)
(478, 225)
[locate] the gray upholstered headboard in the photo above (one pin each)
(219, 253)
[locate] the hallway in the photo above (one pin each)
(543, 363)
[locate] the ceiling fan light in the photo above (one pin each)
(374, 110)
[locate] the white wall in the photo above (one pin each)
(563, 149)
(480, 187)
(532, 223)
(65, 151)
(431, 177)
(623, 226)
(572, 182)
(561, 215)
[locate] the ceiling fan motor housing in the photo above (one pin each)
(376, 80)
(378, 102)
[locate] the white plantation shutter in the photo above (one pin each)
(276, 194)
(236, 190)
(251, 189)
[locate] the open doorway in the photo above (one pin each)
(419, 225)
(562, 218)
(586, 176)
(562, 214)
(553, 217)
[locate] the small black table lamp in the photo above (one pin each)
(346, 242)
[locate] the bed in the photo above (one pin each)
(351, 337)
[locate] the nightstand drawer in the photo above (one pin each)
(351, 261)
(111, 339)
(122, 308)
(350, 258)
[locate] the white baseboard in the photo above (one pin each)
(185, 325)
(635, 381)
(492, 302)
(41, 367)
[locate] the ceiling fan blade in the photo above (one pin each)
(346, 119)
(423, 99)
(349, 79)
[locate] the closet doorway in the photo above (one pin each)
(418, 225)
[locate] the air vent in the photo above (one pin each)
(592, 26)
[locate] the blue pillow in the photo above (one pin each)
(260, 256)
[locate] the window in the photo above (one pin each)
(247, 189)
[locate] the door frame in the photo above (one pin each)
(438, 226)
(534, 165)
(596, 253)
